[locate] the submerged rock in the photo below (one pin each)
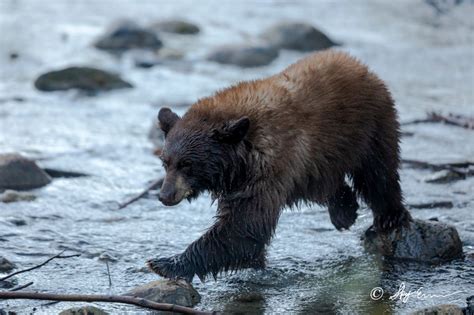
(244, 56)
(84, 310)
(175, 26)
(297, 36)
(20, 173)
(6, 266)
(427, 241)
(443, 309)
(14, 196)
(83, 78)
(177, 292)
(127, 35)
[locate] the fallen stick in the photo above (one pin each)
(102, 298)
(152, 186)
(438, 167)
(21, 287)
(450, 119)
(57, 256)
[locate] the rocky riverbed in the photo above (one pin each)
(127, 58)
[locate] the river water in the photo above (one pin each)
(425, 57)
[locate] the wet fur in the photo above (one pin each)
(322, 120)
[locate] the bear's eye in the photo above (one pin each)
(184, 164)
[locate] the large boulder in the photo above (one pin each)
(296, 36)
(177, 292)
(427, 241)
(244, 55)
(82, 78)
(128, 35)
(20, 173)
(176, 27)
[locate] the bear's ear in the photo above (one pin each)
(167, 119)
(233, 131)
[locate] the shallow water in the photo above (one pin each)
(426, 59)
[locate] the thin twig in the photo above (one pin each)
(152, 186)
(102, 298)
(58, 256)
(21, 287)
(438, 167)
(450, 119)
(108, 273)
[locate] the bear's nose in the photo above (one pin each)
(166, 197)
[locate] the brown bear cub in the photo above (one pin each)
(324, 130)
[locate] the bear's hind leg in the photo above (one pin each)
(343, 207)
(378, 183)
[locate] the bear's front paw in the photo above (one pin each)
(172, 268)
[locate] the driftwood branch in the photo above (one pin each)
(57, 256)
(437, 167)
(21, 287)
(450, 119)
(152, 186)
(102, 298)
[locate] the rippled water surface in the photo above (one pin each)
(426, 59)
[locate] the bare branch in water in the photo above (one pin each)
(154, 185)
(103, 298)
(450, 119)
(58, 256)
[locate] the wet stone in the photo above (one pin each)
(426, 241)
(443, 309)
(168, 291)
(84, 310)
(14, 196)
(20, 173)
(6, 266)
(296, 36)
(81, 78)
(127, 35)
(176, 27)
(244, 56)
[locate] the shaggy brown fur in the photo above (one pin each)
(264, 145)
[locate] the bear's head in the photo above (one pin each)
(200, 154)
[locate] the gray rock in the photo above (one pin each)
(175, 26)
(127, 35)
(14, 196)
(20, 173)
(244, 56)
(177, 292)
(297, 36)
(6, 266)
(82, 78)
(84, 310)
(443, 309)
(427, 241)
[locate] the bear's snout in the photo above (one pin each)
(173, 190)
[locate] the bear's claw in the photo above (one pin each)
(171, 268)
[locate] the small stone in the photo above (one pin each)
(444, 177)
(128, 35)
(443, 309)
(175, 26)
(297, 36)
(84, 310)
(426, 241)
(244, 56)
(177, 292)
(6, 266)
(82, 78)
(107, 257)
(14, 196)
(20, 173)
